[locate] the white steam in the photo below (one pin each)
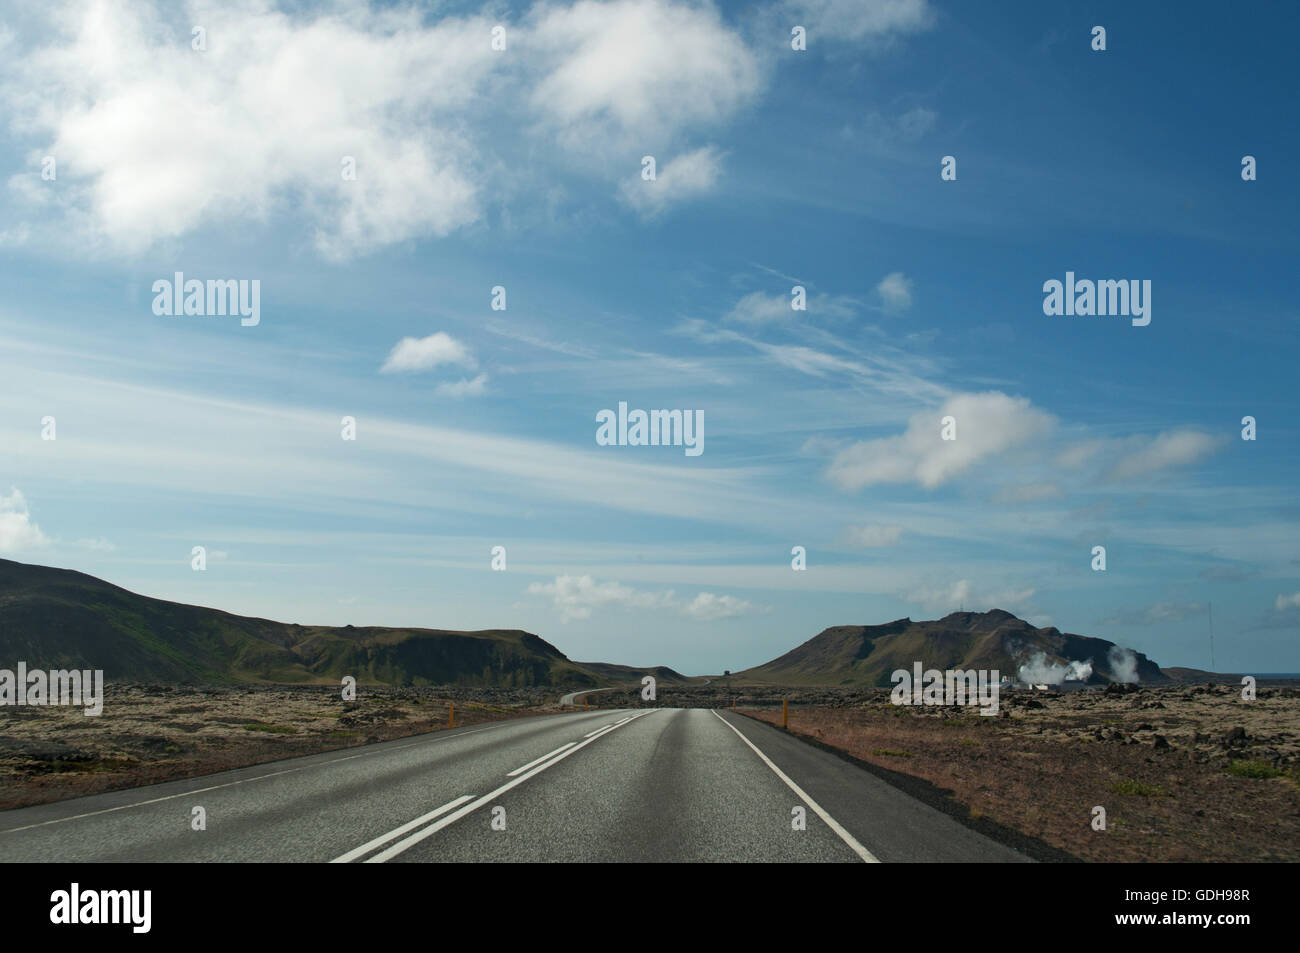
(1039, 670)
(1123, 664)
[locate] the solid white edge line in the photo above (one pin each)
(536, 761)
(833, 824)
(436, 826)
(398, 831)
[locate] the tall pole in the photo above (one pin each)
(1211, 605)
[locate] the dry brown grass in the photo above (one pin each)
(1043, 770)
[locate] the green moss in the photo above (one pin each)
(1259, 770)
(1137, 788)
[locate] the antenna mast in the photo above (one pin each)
(1211, 607)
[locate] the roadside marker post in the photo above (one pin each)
(785, 713)
(451, 716)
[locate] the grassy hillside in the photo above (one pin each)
(865, 655)
(615, 674)
(57, 618)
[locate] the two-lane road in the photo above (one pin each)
(635, 785)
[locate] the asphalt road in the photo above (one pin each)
(572, 697)
(634, 785)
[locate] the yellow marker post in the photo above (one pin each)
(785, 713)
(451, 716)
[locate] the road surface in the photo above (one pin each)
(632, 785)
(572, 697)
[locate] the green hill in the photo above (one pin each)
(865, 655)
(58, 618)
(626, 673)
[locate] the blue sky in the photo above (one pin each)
(521, 168)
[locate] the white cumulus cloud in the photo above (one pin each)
(633, 71)
(18, 532)
(1285, 602)
(154, 138)
(986, 424)
(363, 123)
(707, 606)
(685, 177)
(895, 290)
(422, 354)
(576, 596)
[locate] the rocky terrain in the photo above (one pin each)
(1184, 773)
(153, 733)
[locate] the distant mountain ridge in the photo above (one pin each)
(865, 655)
(59, 618)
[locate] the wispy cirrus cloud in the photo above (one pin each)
(465, 387)
(964, 593)
(876, 22)
(873, 535)
(1156, 614)
(759, 308)
(1172, 448)
(1027, 493)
